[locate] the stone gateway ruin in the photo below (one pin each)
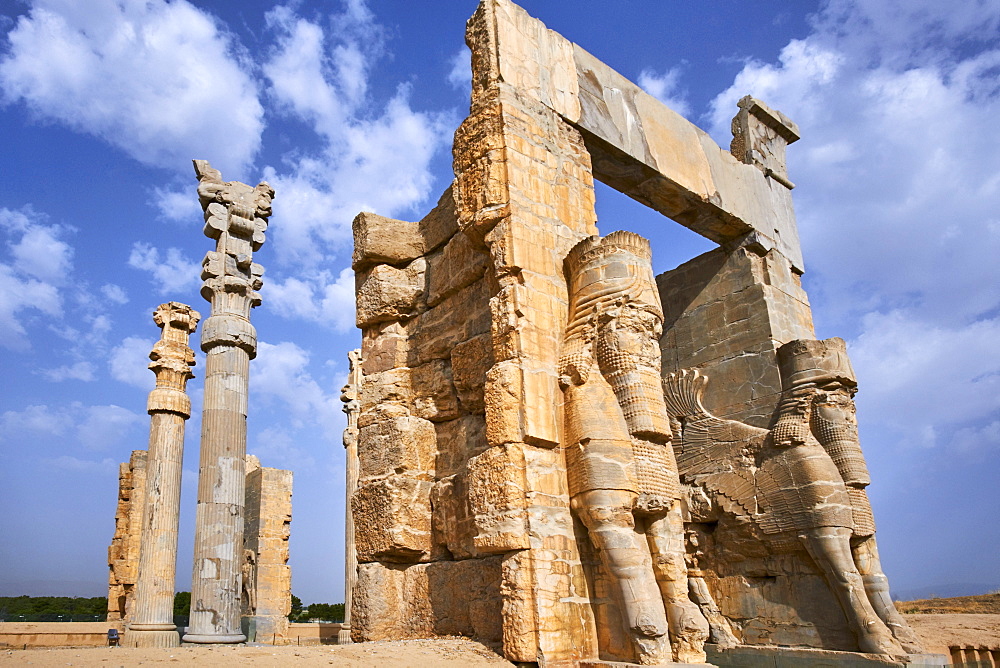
(573, 460)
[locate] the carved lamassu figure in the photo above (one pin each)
(623, 479)
(800, 484)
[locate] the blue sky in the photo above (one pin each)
(344, 106)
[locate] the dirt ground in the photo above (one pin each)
(446, 652)
(936, 632)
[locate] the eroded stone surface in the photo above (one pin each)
(236, 217)
(512, 420)
(265, 576)
(169, 407)
(123, 553)
(797, 494)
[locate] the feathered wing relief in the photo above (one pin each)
(800, 484)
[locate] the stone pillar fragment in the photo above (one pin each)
(349, 395)
(236, 217)
(169, 407)
(123, 553)
(266, 597)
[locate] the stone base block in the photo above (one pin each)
(137, 638)
(747, 656)
(206, 639)
(598, 663)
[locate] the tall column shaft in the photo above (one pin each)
(169, 408)
(236, 217)
(215, 584)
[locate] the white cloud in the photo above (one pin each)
(460, 74)
(104, 427)
(104, 467)
(34, 420)
(29, 280)
(172, 273)
(898, 187)
(280, 374)
(280, 449)
(79, 371)
(129, 363)
(317, 297)
(372, 158)
(911, 370)
(666, 88)
(114, 293)
(160, 80)
(179, 206)
(75, 424)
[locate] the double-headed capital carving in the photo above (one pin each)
(172, 359)
(236, 217)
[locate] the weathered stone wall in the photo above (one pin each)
(462, 510)
(726, 313)
(266, 529)
(123, 553)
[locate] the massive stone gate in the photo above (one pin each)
(516, 477)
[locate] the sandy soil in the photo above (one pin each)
(937, 632)
(453, 652)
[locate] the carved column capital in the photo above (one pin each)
(172, 359)
(236, 216)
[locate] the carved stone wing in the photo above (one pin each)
(711, 451)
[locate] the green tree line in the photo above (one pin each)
(326, 612)
(51, 608)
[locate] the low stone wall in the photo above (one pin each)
(313, 633)
(56, 634)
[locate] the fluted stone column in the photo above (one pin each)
(349, 395)
(169, 407)
(236, 217)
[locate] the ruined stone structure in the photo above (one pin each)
(349, 395)
(517, 479)
(789, 505)
(123, 553)
(236, 217)
(265, 576)
(152, 619)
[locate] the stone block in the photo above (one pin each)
(433, 391)
(457, 265)
(460, 317)
(385, 346)
(395, 602)
(379, 240)
(535, 60)
(497, 496)
(441, 223)
(383, 389)
(401, 445)
(392, 520)
(386, 293)
(470, 361)
(522, 405)
(457, 441)
(453, 527)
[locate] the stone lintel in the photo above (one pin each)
(661, 159)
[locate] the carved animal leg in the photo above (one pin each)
(720, 631)
(688, 627)
(877, 588)
(830, 548)
(607, 514)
